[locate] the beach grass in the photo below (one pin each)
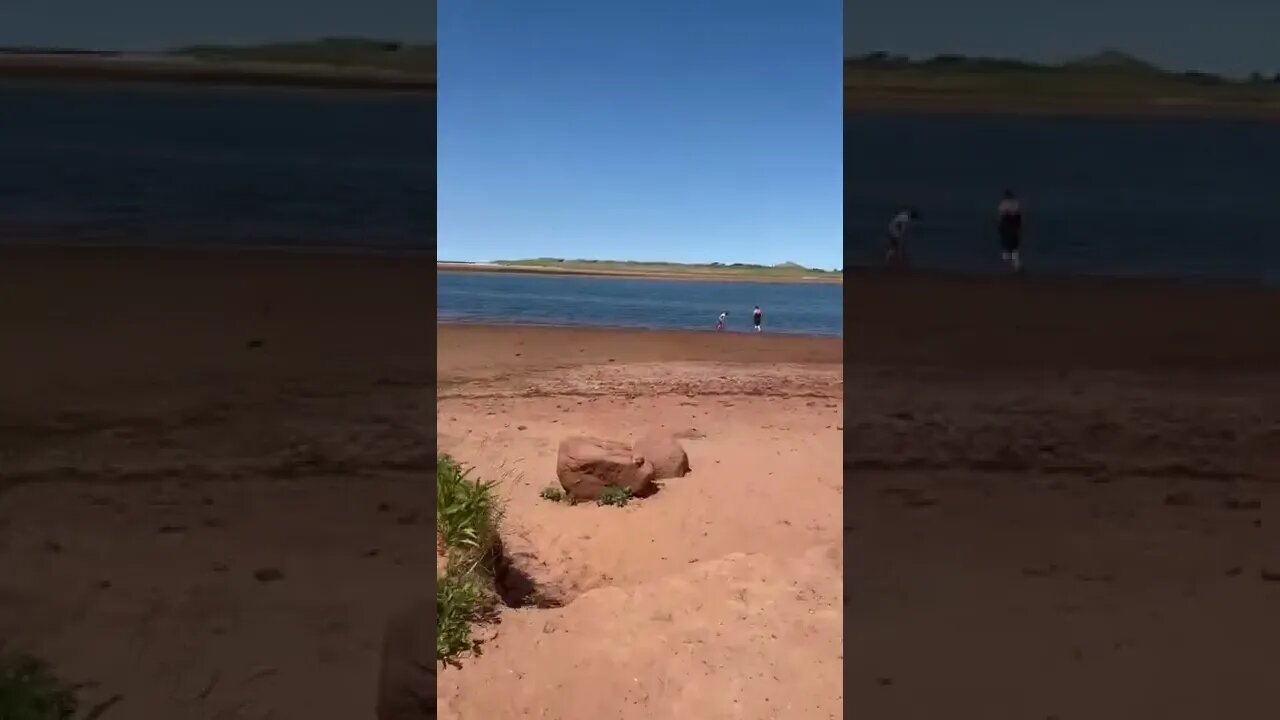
(29, 690)
(468, 514)
(554, 494)
(615, 496)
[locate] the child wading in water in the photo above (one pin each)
(1009, 225)
(757, 316)
(894, 252)
(720, 321)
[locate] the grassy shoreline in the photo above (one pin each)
(338, 64)
(1107, 84)
(650, 270)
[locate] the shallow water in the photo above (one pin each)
(200, 166)
(1147, 197)
(807, 309)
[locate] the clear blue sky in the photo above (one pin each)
(680, 130)
(163, 24)
(1233, 37)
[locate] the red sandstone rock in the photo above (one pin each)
(586, 466)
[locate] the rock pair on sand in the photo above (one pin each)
(586, 466)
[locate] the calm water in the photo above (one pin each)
(216, 167)
(1162, 197)
(654, 304)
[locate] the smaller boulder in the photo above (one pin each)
(664, 451)
(587, 465)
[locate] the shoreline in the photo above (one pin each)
(468, 349)
(862, 273)
(1033, 278)
(157, 71)
(1065, 106)
(656, 332)
(692, 276)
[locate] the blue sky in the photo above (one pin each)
(1233, 37)
(665, 130)
(163, 24)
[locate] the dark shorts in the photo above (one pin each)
(1010, 239)
(756, 321)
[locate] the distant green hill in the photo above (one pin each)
(330, 52)
(781, 271)
(333, 63)
(1107, 82)
(1113, 61)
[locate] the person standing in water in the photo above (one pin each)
(720, 321)
(757, 316)
(893, 253)
(1009, 225)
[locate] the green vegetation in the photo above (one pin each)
(29, 690)
(1108, 81)
(615, 496)
(782, 271)
(554, 494)
(332, 63)
(467, 519)
(329, 52)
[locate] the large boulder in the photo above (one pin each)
(664, 451)
(407, 678)
(587, 465)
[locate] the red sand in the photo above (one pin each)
(720, 595)
(1060, 498)
(153, 459)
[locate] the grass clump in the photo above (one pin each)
(460, 602)
(467, 516)
(614, 495)
(554, 494)
(29, 690)
(466, 509)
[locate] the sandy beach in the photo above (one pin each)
(213, 475)
(1059, 497)
(718, 597)
(1062, 499)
